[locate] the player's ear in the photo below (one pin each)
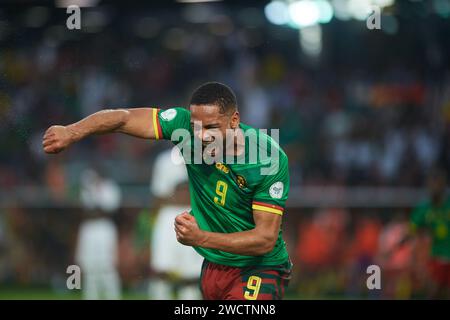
(235, 118)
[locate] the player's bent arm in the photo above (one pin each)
(255, 242)
(136, 122)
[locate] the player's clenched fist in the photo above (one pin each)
(56, 139)
(187, 230)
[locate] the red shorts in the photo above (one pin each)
(440, 271)
(220, 282)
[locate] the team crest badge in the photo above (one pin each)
(276, 190)
(241, 181)
(169, 114)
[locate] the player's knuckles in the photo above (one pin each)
(180, 222)
(48, 141)
(191, 225)
(184, 231)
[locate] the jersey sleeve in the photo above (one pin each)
(165, 122)
(271, 194)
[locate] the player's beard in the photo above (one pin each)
(220, 147)
(213, 151)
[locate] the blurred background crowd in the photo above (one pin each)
(364, 116)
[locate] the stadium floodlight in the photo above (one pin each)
(304, 13)
(341, 10)
(277, 12)
(360, 9)
(325, 11)
(383, 3)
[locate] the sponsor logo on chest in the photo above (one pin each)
(222, 167)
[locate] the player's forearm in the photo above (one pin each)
(100, 122)
(249, 243)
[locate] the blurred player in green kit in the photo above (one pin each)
(237, 201)
(433, 217)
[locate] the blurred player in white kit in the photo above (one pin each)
(97, 246)
(176, 266)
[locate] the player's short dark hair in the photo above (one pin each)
(215, 93)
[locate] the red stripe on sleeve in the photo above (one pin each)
(268, 205)
(159, 125)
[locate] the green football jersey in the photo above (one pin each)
(224, 194)
(437, 221)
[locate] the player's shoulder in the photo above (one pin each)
(264, 142)
(173, 113)
(264, 157)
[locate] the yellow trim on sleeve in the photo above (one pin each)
(267, 209)
(155, 123)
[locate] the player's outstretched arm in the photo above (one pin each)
(255, 242)
(136, 122)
